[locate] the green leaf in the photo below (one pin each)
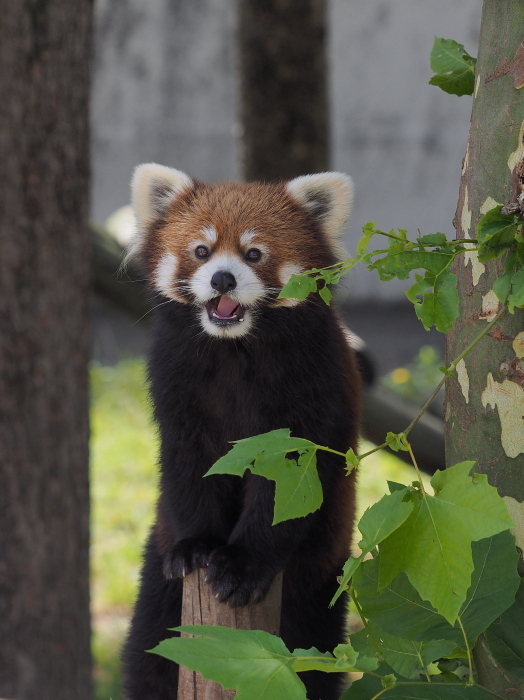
(495, 233)
(377, 523)
(276, 443)
(505, 637)
(454, 67)
(364, 689)
(433, 546)
(326, 295)
(494, 583)
(368, 230)
(397, 442)
(439, 308)
(257, 664)
(314, 660)
(502, 284)
(298, 287)
(344, 659)
(362, 662)
(298, 490)
(433, 239)
(395, 486)
(398, 609)
(352, 460)
(401, 264)
(406, 656)
(516, 295)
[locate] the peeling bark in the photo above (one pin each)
(489, 426)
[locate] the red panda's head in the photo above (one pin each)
(228, 249)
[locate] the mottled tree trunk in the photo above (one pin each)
(485, 401)
(44, 347)
(283, 88)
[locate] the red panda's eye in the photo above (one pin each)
(253, 254)
(201, 251)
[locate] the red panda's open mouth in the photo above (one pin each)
(223, 310)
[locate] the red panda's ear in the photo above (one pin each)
(153, 188)
(327, 196)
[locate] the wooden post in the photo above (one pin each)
(199, 607)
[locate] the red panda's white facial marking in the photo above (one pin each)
(210, 234)
(228, 289)
(227, 249)
(165, 276)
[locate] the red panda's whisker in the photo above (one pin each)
(168, 301)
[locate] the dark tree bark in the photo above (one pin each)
(45, 249)
(283, 88)
(485, 401)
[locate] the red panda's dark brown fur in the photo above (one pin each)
(294, 369)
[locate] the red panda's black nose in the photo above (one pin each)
(223, 282)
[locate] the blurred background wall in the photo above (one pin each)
(165, 89)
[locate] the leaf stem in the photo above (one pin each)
(449, 369)
(470, 347)
(392, 235)
(419, 475)
(373, 641)
(375, 449)
(470, 662)
(453, 366)
(328, 449)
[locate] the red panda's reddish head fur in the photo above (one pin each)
(228, 249)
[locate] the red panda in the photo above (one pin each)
(230, 360)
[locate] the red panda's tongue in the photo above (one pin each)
(226, 306)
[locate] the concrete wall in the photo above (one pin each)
(401, 139)
(165, 89)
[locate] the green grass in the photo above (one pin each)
(123, 481)
(124, 488)
(123, 494)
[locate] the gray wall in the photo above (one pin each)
(165, 90)
(401, 139)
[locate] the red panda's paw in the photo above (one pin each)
(238, 578)
(186, 556)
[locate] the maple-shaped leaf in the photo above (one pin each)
(298, 490)
(433, 546)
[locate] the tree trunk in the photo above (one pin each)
(485, 400)
(45, 249)
(283, 88)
